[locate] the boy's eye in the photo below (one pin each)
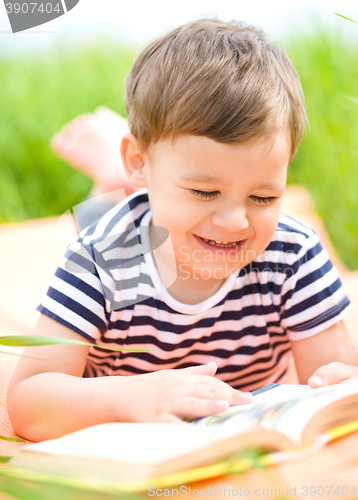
(206, 195)
(263, 200)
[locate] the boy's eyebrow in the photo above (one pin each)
(210, 179)
(276, 186)
(199, 178)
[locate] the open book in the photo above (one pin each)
(281, 417)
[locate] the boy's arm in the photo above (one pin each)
(47, 399)
(329, 355)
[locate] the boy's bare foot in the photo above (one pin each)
(91, 143)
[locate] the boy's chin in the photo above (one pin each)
(214, 274)
(226, 273)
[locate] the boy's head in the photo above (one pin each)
(215, 79)
(215, 113)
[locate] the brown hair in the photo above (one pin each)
(221, 80)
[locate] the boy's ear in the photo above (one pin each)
(133, 160)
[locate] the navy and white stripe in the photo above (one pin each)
(108, 290)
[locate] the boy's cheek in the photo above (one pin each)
(268, 224)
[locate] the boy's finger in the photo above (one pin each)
(208, 369)
(242, 398)
(333, 373)
(169, 418)
(220, 392)
(192, 407)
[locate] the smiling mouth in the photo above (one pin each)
(222, 244)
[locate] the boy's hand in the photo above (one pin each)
(333, 373)
(193, 392)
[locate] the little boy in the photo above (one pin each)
(199, 270)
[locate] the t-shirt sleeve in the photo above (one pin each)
(75, 296)
(313, 297)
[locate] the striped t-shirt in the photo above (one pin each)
(107, 289)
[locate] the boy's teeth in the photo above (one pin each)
(220, 243)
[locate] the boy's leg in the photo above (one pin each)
(91, 144)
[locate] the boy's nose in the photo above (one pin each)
(232, 220)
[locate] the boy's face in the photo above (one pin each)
(220, 202)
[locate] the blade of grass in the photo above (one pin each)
(44, 487)
(21, 489)
(16, 440)
(344, 17)
(38, 340)
(350, 98)
(25, 356)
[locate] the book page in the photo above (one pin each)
(147, 443)
(286, 409)
(248, 416)
(292, 419)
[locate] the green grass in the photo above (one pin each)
(40, 94)
(327, 160)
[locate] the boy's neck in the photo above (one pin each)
(191, 291)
